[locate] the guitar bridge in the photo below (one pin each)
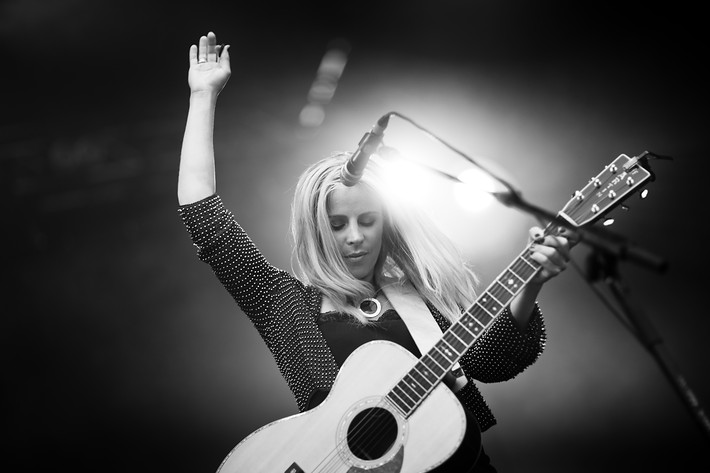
(294, 468)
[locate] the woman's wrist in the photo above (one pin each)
(203, 95)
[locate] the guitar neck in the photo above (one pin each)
(602, 193)
(431, 368)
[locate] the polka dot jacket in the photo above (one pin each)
(284, 312)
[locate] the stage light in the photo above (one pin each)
(324, 84)
(473, 192)
(406, 182)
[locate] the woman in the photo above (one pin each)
(361, 260)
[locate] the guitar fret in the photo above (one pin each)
(440, 359)
(413, 375)
(511, 282)
(500, 292)
(454, 342)
(533, 265)
(463, 333)
(523, 263)
(408, 402)
(458, 338)
(504, 286)
(414, 386)
(512, 279)
(447, 354)
(398, 401)
(524, 269)
(409, 391)
(481, 315)
(439, 368)
(426, 373)
(482, 306)
(401, 409)
(493, 304)
(472, 323)
(427, 376)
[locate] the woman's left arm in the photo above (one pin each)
(552, 252)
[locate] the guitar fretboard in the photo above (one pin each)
(431, 368)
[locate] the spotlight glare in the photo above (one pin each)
(405, 182)
(473, 193)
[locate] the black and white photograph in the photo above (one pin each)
(339, 237)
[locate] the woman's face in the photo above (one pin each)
(356, 219)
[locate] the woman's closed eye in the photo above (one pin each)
(337, 224)
(368, 219)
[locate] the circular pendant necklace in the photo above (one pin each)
(370, 307)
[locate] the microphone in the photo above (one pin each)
(355, 166)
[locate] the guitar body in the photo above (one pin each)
(357, 429)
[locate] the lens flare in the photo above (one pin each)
(473, 192)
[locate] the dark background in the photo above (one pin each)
(121, 351)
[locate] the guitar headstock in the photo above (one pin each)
(608, 189)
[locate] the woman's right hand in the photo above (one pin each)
(209, 65)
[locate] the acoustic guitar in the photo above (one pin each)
(389, 412)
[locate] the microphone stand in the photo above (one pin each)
(607, 250)
(603, 266)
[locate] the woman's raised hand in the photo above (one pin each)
(209, 65)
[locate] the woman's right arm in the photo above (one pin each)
(221, 242)
(207, 76)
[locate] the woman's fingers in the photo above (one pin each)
(549, 256)
(536, 234)
(207, 50)
(193, 54)
(571, 236)
(224, 58)
(211, 47)
(561, 244)
(557, 242)
(550, 251)
(202, 50)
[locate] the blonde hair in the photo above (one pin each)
(413, 249)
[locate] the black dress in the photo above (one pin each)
(344, 335)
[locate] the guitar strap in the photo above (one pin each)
(416, 316)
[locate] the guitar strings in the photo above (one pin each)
(368, 427)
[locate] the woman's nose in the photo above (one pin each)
(354, 235)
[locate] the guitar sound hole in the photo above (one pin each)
(372, 433)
